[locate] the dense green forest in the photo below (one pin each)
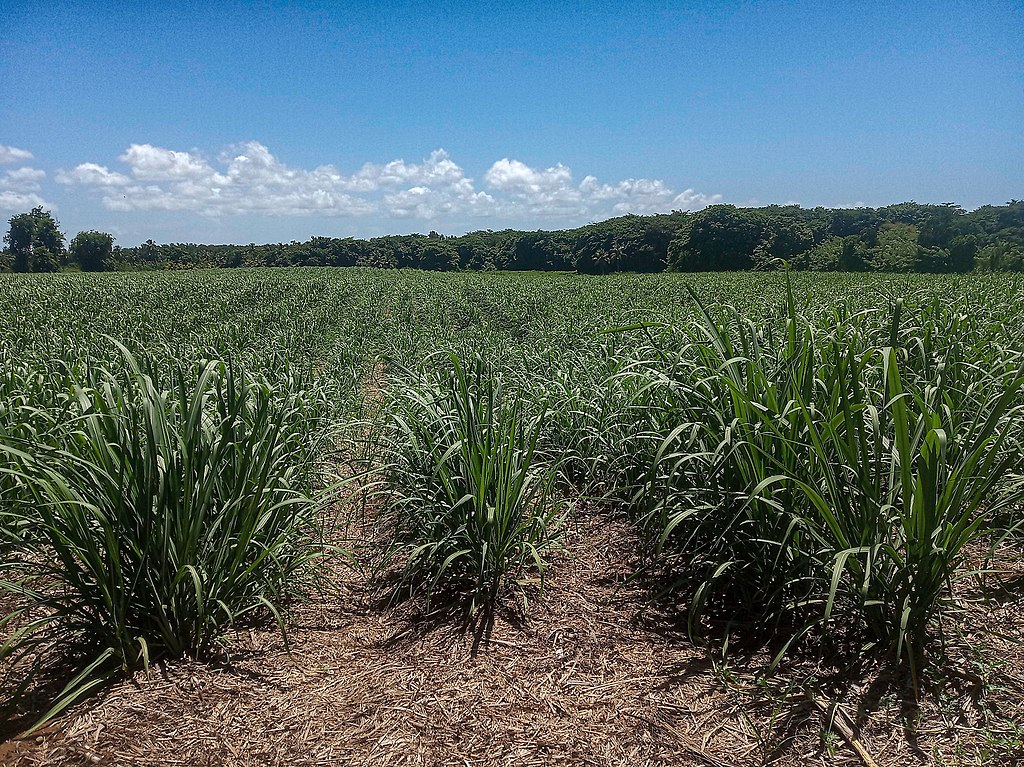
(906, 237)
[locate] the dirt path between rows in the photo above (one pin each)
(588, 680)
(579, 684)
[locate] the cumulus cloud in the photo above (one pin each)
(152, 163)
(22, 179)
(247, 178)
(691, 199)
(19, 187)
(91, 174)
(11, 154)
(553, 192)
(425, 203)
(516, 176)
(22, 202)
(436, 170)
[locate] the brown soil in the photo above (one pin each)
(593, 677)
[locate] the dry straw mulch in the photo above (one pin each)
(592, 677)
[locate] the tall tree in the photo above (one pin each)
(29, 231)
(92, 250)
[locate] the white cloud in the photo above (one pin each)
(436, 170)
(637, 195)
(11, 154)
(548, 193)
(427, 204)
(251, 180)
(553, 192)
(247, 178)
(515, 176)
(22, 179)
(19, 188)
(152, 163)
(22, 202)
(416, 202)
(693, 200)
(91, 174)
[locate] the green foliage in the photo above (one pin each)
(826, 256)
(829, 476)
(900, 238)
(783, 238)
(1001, 257)
(855, 254)
(472, 505)
(721, 237)
(44, 260)
(810, 467)
(35, 241)
(92, 250)
(897, 249)
(157, 517)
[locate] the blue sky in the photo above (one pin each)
(259, 122)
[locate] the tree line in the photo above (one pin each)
(35, 243)
(908, 237)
